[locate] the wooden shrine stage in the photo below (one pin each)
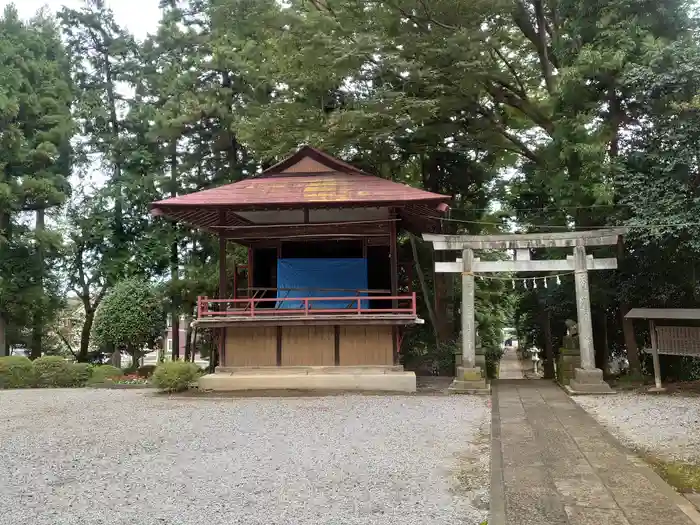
(306, 348)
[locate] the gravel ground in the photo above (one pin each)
(130, 457)
(667, 426)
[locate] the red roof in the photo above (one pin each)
(276, 187)
(309, 178)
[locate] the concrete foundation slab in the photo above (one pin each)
(311, 379)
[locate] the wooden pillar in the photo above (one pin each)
(393, 262)
(655, 354)
(222, 295)
(250, 268)
(278, 358)
(468, 321)
(336, 345)
(583, 308)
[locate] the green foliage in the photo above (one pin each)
(580, 115)
(82, 372)
(102, 373)
(130, 318)
(175, 376)
(673, 367)
(35, 109)
(56, 372)
(421, 354)
(16, 372)
(492, 356)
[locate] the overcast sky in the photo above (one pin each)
(140, 17)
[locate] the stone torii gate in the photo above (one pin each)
(470, 377)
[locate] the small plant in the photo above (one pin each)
(102, 373)
(54, 372)
(16, 372)
(493, 356)
(175, 376)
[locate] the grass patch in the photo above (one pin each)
(685, 477)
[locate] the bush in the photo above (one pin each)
(493, 356)
(130, 317)
(54, 371)
(16, 372)
(81, 373)
(146, 370)
(101, 373)
(175, 376)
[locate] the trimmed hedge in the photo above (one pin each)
(52, 372)
(175, 376)
(82, 372)
(55, 372)
(16, 372)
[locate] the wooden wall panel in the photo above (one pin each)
(366, 345)
(251, 346)
(308, 346)
(307, 165)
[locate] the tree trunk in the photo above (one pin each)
(174, 260)
(423, 286)
(4, 232)
(188, 339)
(135, 359)
(627, 326)
(548, 345)
(443, 321)
(38, 318)
(118, 230)
(85, 335)
(3, 337)
(116, 358)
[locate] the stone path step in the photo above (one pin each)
(553, 464)
(510, 367)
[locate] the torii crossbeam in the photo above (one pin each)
(588, 378)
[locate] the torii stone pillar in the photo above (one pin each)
(470, 378)
(468, 324)
(583, 309)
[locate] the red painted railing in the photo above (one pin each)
(253, 307)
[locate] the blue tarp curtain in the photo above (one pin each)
(308, 278)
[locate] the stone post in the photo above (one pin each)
(470, 378)
(468, 324)
(583, 308)
(588, 379)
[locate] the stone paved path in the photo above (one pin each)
(511, 367)
(553, 464)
